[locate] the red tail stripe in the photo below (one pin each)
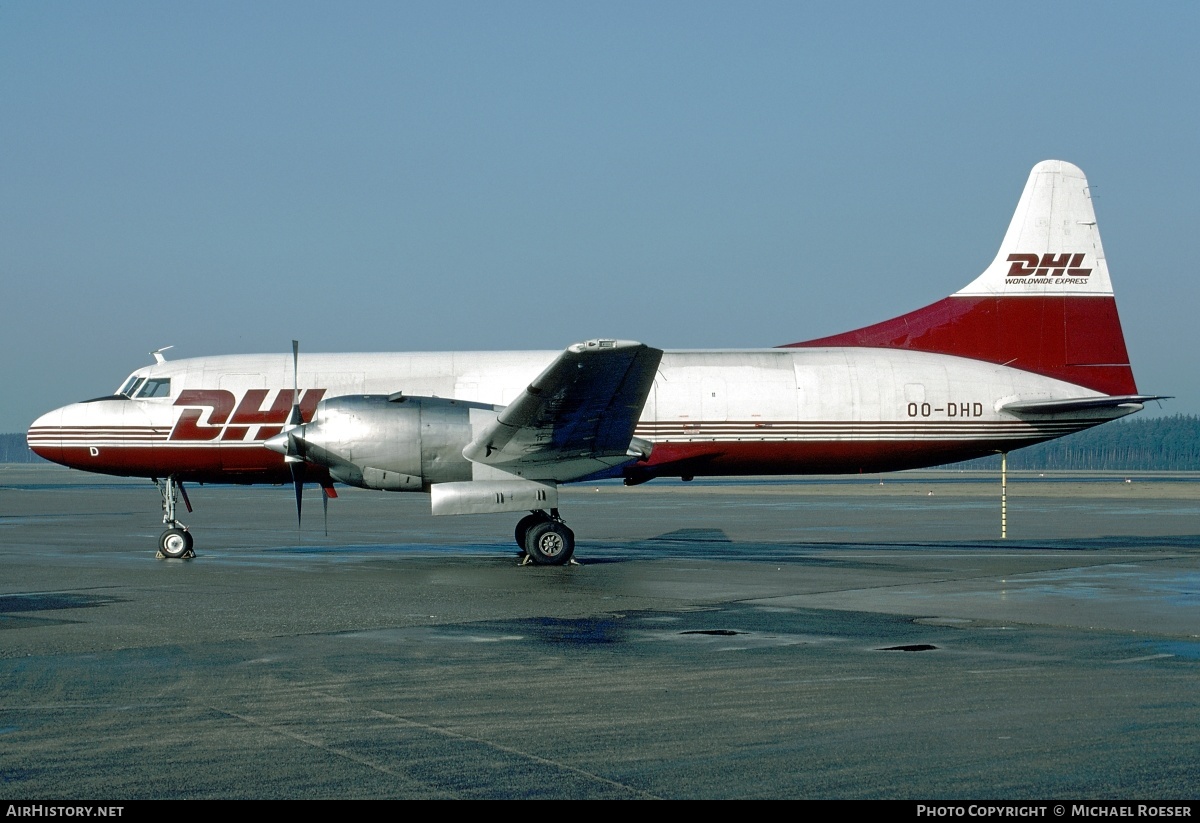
(1076, 339)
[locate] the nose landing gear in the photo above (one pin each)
(176, 541)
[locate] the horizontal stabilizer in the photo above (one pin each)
(1075, 404)
(577, 417)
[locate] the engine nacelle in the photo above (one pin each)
(392, 444)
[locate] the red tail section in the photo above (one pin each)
(1044, 305)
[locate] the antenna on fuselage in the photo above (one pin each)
(158, 354)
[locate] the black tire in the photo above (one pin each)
(550, 543)
(526, 523)
(175, 543)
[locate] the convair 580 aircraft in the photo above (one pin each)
(1030, 350)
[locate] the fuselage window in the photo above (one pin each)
(156, 387)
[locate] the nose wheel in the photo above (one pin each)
(545, 539)
(176, 541)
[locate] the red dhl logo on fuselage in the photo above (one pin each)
(1046, 265)
(231, 420)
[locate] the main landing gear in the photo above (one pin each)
(545, 540)
(176, 541)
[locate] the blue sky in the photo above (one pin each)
(224, 177)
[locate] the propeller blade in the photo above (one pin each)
(294, 417)
(296, 446)
(298, 472)
(325, 508)
(294, 454)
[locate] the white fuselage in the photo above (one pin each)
(758, 411)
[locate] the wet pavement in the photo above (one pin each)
(828, 638)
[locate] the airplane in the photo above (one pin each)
(1030, 350)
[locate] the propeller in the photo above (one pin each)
(294, 453)
(291, 444)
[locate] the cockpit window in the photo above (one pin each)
(156, 387)
(131, 385)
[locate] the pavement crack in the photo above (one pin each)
(333, 750)
(510, 750)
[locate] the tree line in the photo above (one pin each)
(1154, 444)
(13, 449)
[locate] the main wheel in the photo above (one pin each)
(526, 523)
(175, 543)
(550, 543)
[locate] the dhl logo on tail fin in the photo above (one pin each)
(1045, 304)
(1047, 265)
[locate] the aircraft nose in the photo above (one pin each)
(45, 436)
(111, 435)
(92, 434)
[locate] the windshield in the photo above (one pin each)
(131, 385)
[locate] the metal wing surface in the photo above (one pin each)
(577, 417)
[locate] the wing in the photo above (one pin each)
(577, 417)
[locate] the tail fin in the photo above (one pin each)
(1045, 304)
